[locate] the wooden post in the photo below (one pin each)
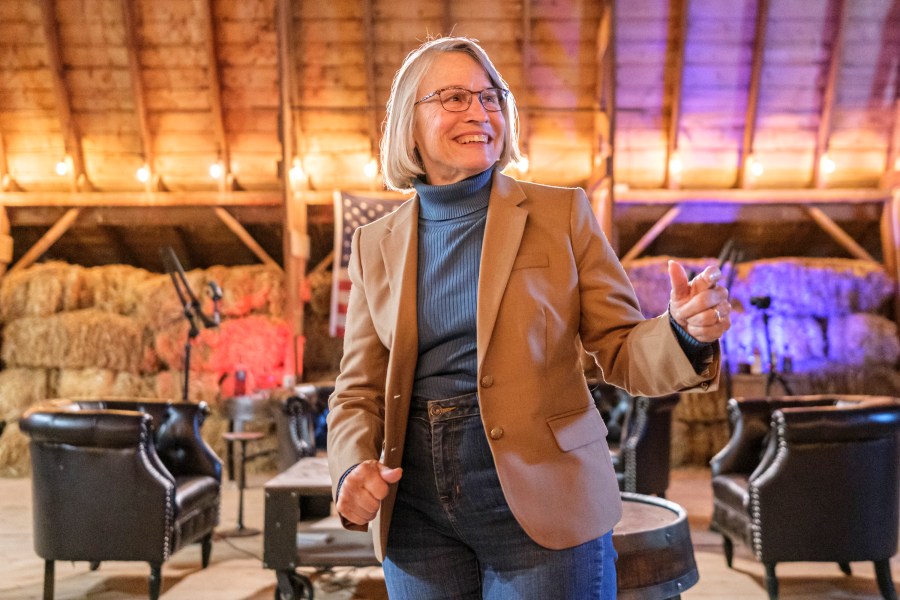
(679, 41)
(6, 241)
(823, 135)
(759, 46)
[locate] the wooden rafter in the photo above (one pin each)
(447, 17)
(132, 46)
(600, 183)
(6, 241)
(527, 64)
(653, 233)
(241, 232)
(71, 137)
(770, 196)
(837, 233)
(215, 93)
(891, 177)
(47, 240)
(828, 99)
(678, 41)
(368, 27)
(296, 235)
(759, 46)
(6, 181)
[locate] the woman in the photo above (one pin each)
(461, 425)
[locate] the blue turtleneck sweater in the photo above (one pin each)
(451, 230)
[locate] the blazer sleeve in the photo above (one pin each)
(356, 408)
(640, 355)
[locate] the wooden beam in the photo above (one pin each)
(888, 243)
(71, 137)
(215, 93)
(678, 41)
(131, 23)
(891, 177)
(653, 233)
(368, 26)
(447, 17)
(235, 226)
(6, 241)
(47, 240)
(759, 47)
(295, 234)
(157, 216)
(212, 198)
(6, 180)
(527, 62)
(604, 103)
(734, 196)
(838, 234)
(823, 135)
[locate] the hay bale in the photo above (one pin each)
(695, 443)
(821, 287)
(115, 288)
(20, 388)
(247, 289)
(15, 460)
(75, 340)
(99, 383)
(862, 338)
(801, 338)
(42, 290)
(159, 306)
(701, 407)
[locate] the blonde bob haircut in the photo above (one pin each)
(400, 160)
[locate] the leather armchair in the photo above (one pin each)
(295, 414)
(121, 479)
(811, 478)
(643, 453)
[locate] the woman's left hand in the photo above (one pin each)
(699, 306)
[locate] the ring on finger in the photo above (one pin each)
(718, 316)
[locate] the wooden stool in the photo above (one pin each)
(243, 437)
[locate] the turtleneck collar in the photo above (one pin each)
(442, 202)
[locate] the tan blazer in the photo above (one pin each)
(548, 277)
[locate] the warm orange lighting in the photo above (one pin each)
(523, 165)
(675, 164)
(296, 174)
(827, 164)
(755, 166)
(63, 167)
(143, 174)
(370, 170)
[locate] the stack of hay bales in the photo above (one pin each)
(70, 331)
(825, 317)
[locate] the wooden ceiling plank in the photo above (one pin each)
(823, 134)
(132, 46)
(48, 239)
(838, 234)
(447, 24)
(759, 46)
(235, 226)
(215, 93)
(750, 196)
(71, 137)
(527, 62)
(677, 46)
(141, 217)
(600, 183)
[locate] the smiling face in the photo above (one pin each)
(456, 145)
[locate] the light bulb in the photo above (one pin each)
(216, 170)
(675, 164)
(523, 165)
(143, 174)
(296, 173)
(62, 167)
(755, 166)
(371, 168)
(827, 164)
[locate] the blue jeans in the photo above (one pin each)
(453, 535)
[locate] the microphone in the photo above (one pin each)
(215, 292)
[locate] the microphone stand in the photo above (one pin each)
(773, 375)
(729, 255)
(191, 308)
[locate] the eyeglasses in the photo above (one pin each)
(456, 99)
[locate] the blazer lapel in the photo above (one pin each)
(399, 251)
(502, 235)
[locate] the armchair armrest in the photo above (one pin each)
(98, 428)
(180, 445)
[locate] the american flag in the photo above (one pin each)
(350, 212)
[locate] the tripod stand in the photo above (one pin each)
(763, 303)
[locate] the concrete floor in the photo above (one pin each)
(236, 571)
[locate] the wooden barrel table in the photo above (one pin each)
(656, 557)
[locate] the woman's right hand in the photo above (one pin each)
(363, 490)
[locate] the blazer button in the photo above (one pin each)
(487, 381)
(705, 385)
(496, 433)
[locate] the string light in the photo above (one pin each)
(675, 164)
(296, 173)
(370, 170)
(216, 170)
(827, 164)
(62, 167)
(755, 166)
(143, 173)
